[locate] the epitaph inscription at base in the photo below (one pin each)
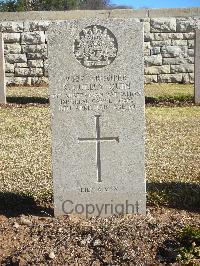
(97, 108)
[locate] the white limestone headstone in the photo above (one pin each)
(97, 107)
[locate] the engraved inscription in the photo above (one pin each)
(98, 140)
(99, 92)
(95, 47)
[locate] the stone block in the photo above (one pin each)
(11, 26)
(35, 63)
(29, 72)
(154, 70)
(191, 52)
(153, 60)
(155, 50)
(15, 58)
(23, 65)
(35, 48)
(189, 68)
(38, 81)
(167, 36)
(185, 78)
(12, 48)
(190, 43)
(161, 43)
(11, 37)
(170, 78)
(191, 76)
(171, 51)
(9, 68)
(148, 36)
(17, 81)
(163, 24)
(37, 37)
(35, 56)
(150, 79)
(189, 36)
(179, 42)
(186, 24)
(41, 25)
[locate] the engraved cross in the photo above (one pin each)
(98, 140)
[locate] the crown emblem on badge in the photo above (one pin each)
(95, 47)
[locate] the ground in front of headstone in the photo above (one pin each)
(118, 240)
(30, 235)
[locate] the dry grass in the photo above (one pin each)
(168, 90)
(172, 150)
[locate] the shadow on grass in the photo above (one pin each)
(12, 205)
(27, 100)
(178, 195)
(169, 99)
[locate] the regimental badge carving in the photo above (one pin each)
(95, 47)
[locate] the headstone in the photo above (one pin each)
(2, 72)
(97, 108)
(197, 68)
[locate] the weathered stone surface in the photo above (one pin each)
(16, 65)
(191, 76)
(179, 42)
(37, 37)
(11, 26)
(148, 36)
(189, 68)
(185, 24)
(190, 43)
(167, 36)
(153, 70)
(163, 24)
(185, 78)
(14, 48)
(12, 37)
(189, 36)
(155, 50)
(197, 68)
(190, 52)
(150, 79)
(35, 56)
(171, 51)
(170, 78)
(147, 47)
(37, 48)
(97, 102)
(9, 68)
(39, 81)
(17, 81)
(41, 25)
(16, 58)
(175, 61)
(29, 72)
(161, 43)
(153, 60)
(2, 71)
(35, 63)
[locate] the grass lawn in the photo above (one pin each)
(172, 147)
(30, 235)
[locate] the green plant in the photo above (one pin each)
(189, 251)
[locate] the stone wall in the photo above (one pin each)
(168, 47)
